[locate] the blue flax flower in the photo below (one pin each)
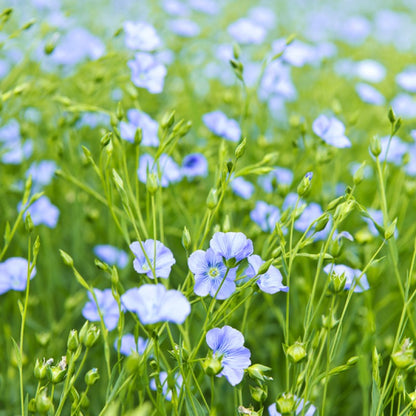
(184, 27)
(160, 257)
(44, 212)
(265, 216)
(13, 274)
(269, 282)
(242, 188)
(222, 126)
(351, 276)
(111, 255)
(147, 72)
(278, 176)
(166, 169)
(210, 271)
(231, 245)
(331, 131)
(108, 307)
(407, 79)
(154, 303)
(247, 32)
(139, 119)
(141, 36)
(42, 173)
(194, 164)
(166, 389)
(227, 344)
(309, 214)
(369, 94)
(129, 345)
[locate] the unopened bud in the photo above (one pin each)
(240, 149)
(167, 120)
(91, 337)
(40, 369)
(391, 116)
(305, 185)
(43, 402)
(397, 125)
(359, 174)
(152, 183)
(322, 222)
(259, 394)
(286, 403)
(186, 238)
(256, 371)
(389, 232)
(73, 340)
(264, 267)
(375, 146)
(403, 357)
(106, 139)
(119, 111)
(91, 377)
(337, 282)
(296, 352)
(212, 366)
(68, 261)
(212, 199)
(29, 223)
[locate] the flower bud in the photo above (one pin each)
(375, 146)
(389, 232)
(73, 340)
(91, 336)
(305, 185)
(212, 366)
(329, 321)
(68, 261)
(119, 111)
(91, 377)
(352, 361)
(240, 149)
(29, 223)
(359, 174)
(337, 282)
(132, 363)
(40, 369)
(256, 371)
(391, 116)
(400, 383)
(212, 199)
(56, 373)
(322, 222)
(403, 357)
(259, 394)
(286, 403)
(186, 238)
(138, 136)
(167, 120)
(43, 402)
(152, 183)
(397, 125)
(296, 352)
(265, 266)
(106, 139)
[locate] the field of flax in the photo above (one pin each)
(207, 208)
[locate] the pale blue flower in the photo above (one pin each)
(167, 390)
(13, 274)
(263, 16)
(277, 81)
(370, 70)
(211, 273)
(227, 344)
(404, 105)
(129, 345)
(175, 8)
(246, 31)
(331, 131)
(242, 187)
(159, 256)
(265, 216)
(354, 29)
(42, 174)
(369, 94)
(141, 36)
(397, 149)
(270, 282)
(166, 169)
(222, 126)
(407, 79)
(184, 27)
(194, 164)
(296, 53)
(16, 153)
(111, 255)
(42, 211)
(278, 176)
(139, 119)
(231, 245)
(107, 305)
(351, 276)
(147, 72)
(154, 303)
(312, 212)
(210, 7)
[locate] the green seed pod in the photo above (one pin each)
(286, 403)
(256, 372)
(73, 340)
(43, 402)
(91, 377)
(296, 352)
(212, 366)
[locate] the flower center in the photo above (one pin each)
(213, 273)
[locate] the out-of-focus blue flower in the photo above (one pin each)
(167, 391)
(242, 188)
(166, 169)
(263, 16)
(10, 132)
(354, 29)
(370, 70)
(13, 274)
(351, 276)
(42, 173)
(184, 27)
(147, 72)
(141, 36)
(209, 270)
(159, 256)
(354, 166)
(107, 305)
(311, 409)
(210, 7)
(265, 216)
(269, 282)
(407, 79)
(277, 81)
(246, 31)
(396, 150)
(296, 53)
(404, 105)
(376, 217)
(310, 214)
(15, 153)
(93, 120)
(277, 176)
(227, 344)
(175, 8)
(194, 164)
(369, 94)
(222, 126)
(290, 202)
(154, 303)
(129, 345)
(43, 211)
(331, 131)
(231, 245)
(139, 119)
(111, 255)
(76, 46)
